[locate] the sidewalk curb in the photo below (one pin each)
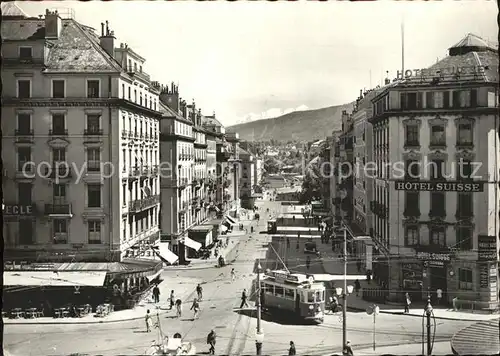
(420, 316)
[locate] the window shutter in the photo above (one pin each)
(419, 100)
(402, 98)
(446, 99)
(473, 98)
(429, 100)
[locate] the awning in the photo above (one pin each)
(224, 228)
(192, 244)
(54, 278)
(336, 277)
(164, 253)
(231, 220)
(154, 276)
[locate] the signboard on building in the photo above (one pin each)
(487, 248)
(430, 256)
(440, 72)
(18, 210)
(483, 276)
(472, 187)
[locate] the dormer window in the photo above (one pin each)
(25, 53)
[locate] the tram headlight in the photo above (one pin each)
(311, 307)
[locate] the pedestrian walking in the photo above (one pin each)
(178, 306)
(233, 275)
(407, 303)
(291, 350)
(244, 298)
(149, 321)
(348, 349)
(156, 294)
(211, 339)
(439, 295)
(357, 287)
(172, 299)
(195, 307)
(199, 291)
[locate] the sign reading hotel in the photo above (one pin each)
(472, 187)
(440, 72)
(429, 256)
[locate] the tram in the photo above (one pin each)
(296, 293)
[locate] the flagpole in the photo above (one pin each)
(402, 46)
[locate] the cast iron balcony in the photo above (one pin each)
(124, 134)
(58, 132)
(92, 132)
(437, 213)
(24, 136)
(143, 204)
(412, 212)
(465, 144)
(464, 213)
(62, 171)
(57, 209)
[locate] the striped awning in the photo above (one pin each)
(191, 243)
(164, 253)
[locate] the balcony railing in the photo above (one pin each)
(438, 143)
(124, 134)
(57, 209)
(437, 213)
(24, 132)
(183, 182)
(464, 214)
(92, 132)
(142, 204)
(58, 171)
(413, 143)
(411, 212)
(134, 171)
(58, 132)
(94, 166)
(465, 144)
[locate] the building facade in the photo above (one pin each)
(247, 179)
(435, 142)
(58, 204)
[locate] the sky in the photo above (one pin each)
(251, 60)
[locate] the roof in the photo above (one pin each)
(168, 112)
(211, 120)
(22, 30)
(10, 9)
(472, 41)
(242, 151)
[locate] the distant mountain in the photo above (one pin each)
(305, 125)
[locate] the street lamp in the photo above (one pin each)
(259, 335)
(344, 293)
(428, 314)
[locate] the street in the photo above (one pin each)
(235, 331)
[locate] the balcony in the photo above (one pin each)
(134, 172)
(58, 132)
(145, 171)
(183, 182)
(464, 214)
(24, 136)
(60, 170)
(125, 134)
(411, 212)
(412, 144)
(437, 144)
(139, 205)
(92, 132)
(183, 207)
(131, 134)
(155, 170)
(93, 166)
(58, 210)
(137, 72)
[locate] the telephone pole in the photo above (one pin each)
(344, 309)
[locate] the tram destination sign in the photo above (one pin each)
(473, 187)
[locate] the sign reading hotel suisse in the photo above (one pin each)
(487, 248)
(429, 256)
(16, 210)
(472, 187)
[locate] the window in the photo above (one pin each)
(123, 91)
(59, 193)
(437, 236)
(124, 230)
(93, 159)
(129, 93)
(412, 171)
(23, 89)
(24, 193)
(436, 171)
(135, 96)
(94, 229)
(436, 99)
(26, 232)
(412, 236)
(412, 135)
(464, 169)
(310, 297)
(412, 203)
(60, 227)
(464, 98)
(23, 157)
(93, 88)
(94, 195)
(278, 291)
(465, 279)
(438, 204)
(464, 134)
(464, 238)
(24, 124)
(25, 53)
(465, 205)
(93, 123)
(411, 101)
(58, 124)
(438, 137)
(58, 89)
(58, 155)
(124, 195)
(289, 293)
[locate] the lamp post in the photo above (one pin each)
(375, 310)
(259, 335)
(428, 314)
(344, 293)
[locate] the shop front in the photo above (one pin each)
(436, 269)
(202, 234)
(413, 279)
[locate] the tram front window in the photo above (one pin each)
(320, 296)
(310, 297)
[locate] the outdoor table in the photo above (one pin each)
(65, 312)
(57, 312)
(17, 313)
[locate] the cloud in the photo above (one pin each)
(269, 114)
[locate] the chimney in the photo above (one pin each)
(170, 97)
(53, 24)
(387, 81)
(107, 40)
(183, 109)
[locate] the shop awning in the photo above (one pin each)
(224, 228)
(154, 276)
(54, 278)
(231, 220)
(192, 244)
(164, 253)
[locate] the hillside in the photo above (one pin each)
(298, 125)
